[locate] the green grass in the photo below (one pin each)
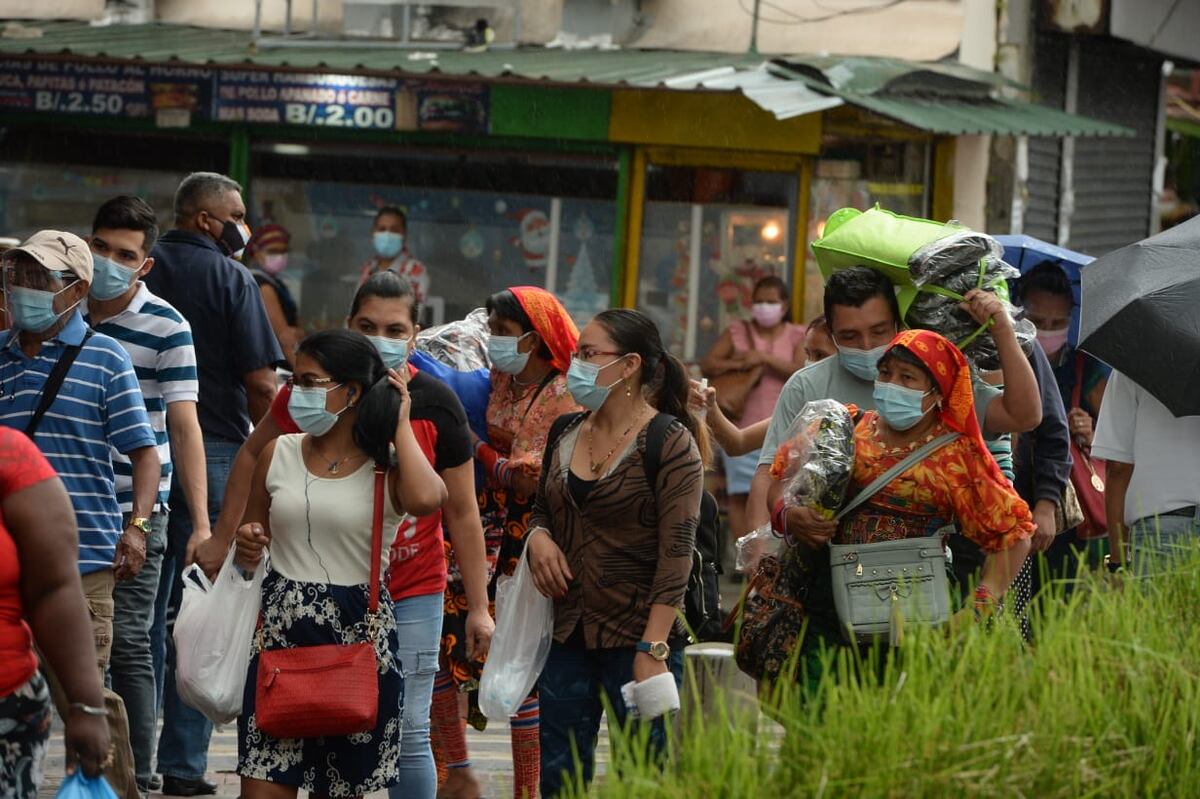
(1106, 704)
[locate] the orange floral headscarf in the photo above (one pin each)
(551, 321)
(953, 376)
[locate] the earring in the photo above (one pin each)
(628, 390)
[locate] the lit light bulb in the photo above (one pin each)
(771, 231)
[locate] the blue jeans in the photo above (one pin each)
(183, 743)
(1157, 538)
(131, 667)
(571, 689)
(419, 627)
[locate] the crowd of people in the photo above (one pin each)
(144, 428)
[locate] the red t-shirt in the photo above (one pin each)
(21, 466)
(418, 562)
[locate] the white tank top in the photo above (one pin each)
(321, 527)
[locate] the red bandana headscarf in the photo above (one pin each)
(953, 376)
(551, 321)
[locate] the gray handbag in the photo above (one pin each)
(878, 588)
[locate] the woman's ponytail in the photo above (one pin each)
(670, 395)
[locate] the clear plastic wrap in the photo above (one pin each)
(461, 345)
(754, 546)
(948, 256)
(816, 458)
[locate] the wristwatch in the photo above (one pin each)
(140, 523)
(655, 649)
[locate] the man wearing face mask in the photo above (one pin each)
(73, 391)
(236, 356)
(389, 241)
(863, 317)
(159, 342)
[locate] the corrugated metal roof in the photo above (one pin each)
(956, 117)
(954, 101)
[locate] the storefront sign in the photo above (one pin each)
(113, 90)
(178, 96)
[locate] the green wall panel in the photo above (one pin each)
(550, 113)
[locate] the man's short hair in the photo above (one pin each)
(127, 212)
(854, 286)
(198, 190)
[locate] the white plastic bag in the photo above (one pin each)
(213, 633)
(520, 645)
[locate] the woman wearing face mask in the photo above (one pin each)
(267, 257)
(385, 310)
(612, 548)
(532, 338)
(389, 241)
(310, 505)
(1045, 292)
(769, 341)
(922, 392)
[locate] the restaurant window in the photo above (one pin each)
(58, 178)
(860, 174)
(480, 222)
(708, 234)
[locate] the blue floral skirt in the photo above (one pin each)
(311, 614)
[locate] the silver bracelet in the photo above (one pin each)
(89, 710)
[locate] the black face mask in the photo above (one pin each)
(231, 239)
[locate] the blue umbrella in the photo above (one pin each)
(1026, 252)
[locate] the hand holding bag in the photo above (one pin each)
(327, 690)
(878, 588)
(733, 388)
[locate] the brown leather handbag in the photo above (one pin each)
(734, 387)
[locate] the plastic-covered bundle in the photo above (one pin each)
(461, 344)
(816, 458)
(946, 270)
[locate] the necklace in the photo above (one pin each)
(597, 465)
(519, 382)
(333, 466)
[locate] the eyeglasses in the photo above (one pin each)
(312, 382)
(587, 353)
(37, 278)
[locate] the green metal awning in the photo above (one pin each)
(943, 98)
(961, 116)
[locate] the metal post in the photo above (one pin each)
(695, 254)
(257, 19)
(754, 29)
(287, 22)
(555, 240)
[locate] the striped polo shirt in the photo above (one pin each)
(99, 407)
(159, 342)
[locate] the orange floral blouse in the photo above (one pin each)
(519, 418)
(951, 486)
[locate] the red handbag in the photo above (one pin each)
(333, 689)
(1087, 475)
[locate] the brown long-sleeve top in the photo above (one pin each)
(629, 546)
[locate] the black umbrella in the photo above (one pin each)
(1141, 315)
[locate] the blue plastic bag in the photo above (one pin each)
(81, 786)
(472, 388)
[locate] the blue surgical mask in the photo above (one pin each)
(581, 382)
(109, 279)
(393, 351)
(306, 406)
(33, 309)
(863, 364)
(900, 407)
(502, 352)
(387, 244)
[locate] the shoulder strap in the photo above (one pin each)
(557, 428)
(900, 468)
(54, 382)
(1077, 389)
(656, 436)
(376, 539)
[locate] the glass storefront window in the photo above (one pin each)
(857, 174)
(707, 236)
(57, 179)
(480, 222)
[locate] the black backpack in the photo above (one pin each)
(702, 600)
